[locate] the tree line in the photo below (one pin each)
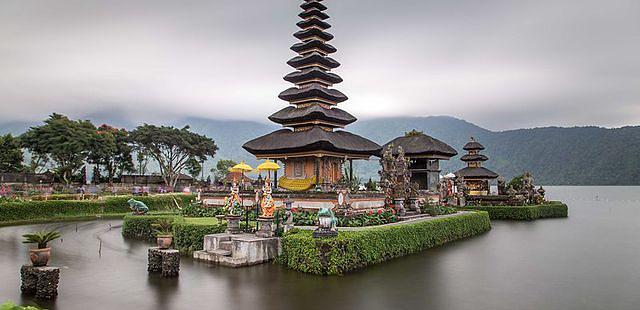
(64, 147)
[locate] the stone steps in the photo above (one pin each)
(220, 252)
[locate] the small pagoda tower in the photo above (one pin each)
(476, 178)
(311, 147)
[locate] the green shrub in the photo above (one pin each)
(141, 226)
(188, 234)
(11, 306)
(352, 250)
(42, 210)
(524, 213)
(199, 210)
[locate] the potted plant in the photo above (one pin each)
(40, 257)
(164, 233)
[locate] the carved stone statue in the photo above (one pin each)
(288, 213)
(502, 186)
(267, 204)
(138, 207)
(327, 224)
(232, 204)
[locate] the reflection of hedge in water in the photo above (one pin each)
(527, 213)
(17, 211)
(352, 250)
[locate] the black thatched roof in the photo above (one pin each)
(476, 173)
(291, 114)
(312, 91)
(313, 74)
(312, 59)
(473, 145)
(313, 5)
(287, 141)
(314, 13)
(311, 22)
(314, 44)
(419, 144)
(313, 32)
(475, 157)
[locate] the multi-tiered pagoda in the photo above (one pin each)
(312, 148)
(476, 177)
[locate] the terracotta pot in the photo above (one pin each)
(164, 242)
(40, 257)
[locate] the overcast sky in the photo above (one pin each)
(499, 64)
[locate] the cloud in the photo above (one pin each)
(501, 64)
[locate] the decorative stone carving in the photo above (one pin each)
(288, 223)
(327, 224)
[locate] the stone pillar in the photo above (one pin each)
(265, 228)
(166, 262)
(41, 281)
(233, 224)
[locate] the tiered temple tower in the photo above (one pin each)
(312, 148)
(475, 176)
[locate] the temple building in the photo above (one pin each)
(311, 146)
(475, 177)
(424, 153)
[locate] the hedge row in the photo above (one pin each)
(189, 237)
(352, 250)
(524, 213)
(41, 210)
(141, 226)
(188, 233)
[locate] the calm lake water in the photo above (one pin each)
(590, 260)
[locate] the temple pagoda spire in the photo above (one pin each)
(312, 114)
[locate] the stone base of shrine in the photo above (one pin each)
(238, 250)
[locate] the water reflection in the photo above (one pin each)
(587, 261)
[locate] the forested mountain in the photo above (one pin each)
(556, 156)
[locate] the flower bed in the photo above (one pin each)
(553, 209)
(16, 212)
(352, 250)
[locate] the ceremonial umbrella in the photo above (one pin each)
(268, 166)
(242, 168)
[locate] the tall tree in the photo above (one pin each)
(172, 148)
(111, 151)
(65, 142)
(222, 168)
(194, 167)
(11, 156)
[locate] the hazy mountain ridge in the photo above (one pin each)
(556, 155)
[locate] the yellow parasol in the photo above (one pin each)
(242, 167)
(268, 165)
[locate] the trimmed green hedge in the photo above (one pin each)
(188, 233)
(141, 226)
(25, 211)
(352, 250)
(188, 236)
(524, 213)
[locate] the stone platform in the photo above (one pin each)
(241, 250)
